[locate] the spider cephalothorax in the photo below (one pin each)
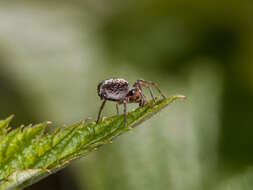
(117, 90)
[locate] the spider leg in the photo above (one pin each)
(100, 110)
(150, 91)
(125, 111)
(153, 84)
(117, 108)
(144, 98)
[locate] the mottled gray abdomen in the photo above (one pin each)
(114, 89)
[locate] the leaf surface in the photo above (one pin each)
(27, 154)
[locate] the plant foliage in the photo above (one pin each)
(27, 154)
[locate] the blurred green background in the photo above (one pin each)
(53, 55)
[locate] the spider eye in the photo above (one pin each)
(131, 92)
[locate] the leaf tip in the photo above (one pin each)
(8, 119)
(11, 116)
(181, 96)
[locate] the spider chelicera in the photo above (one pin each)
(117, 90)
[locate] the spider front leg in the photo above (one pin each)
(153, 84)
(143, 101)
(143, 97)
(150, 91)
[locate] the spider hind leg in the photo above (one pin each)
(100, 110)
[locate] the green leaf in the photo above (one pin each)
(4, 124)
(27, 154)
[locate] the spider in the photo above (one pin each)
(117, 90)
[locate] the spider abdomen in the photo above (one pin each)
(114, 89)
